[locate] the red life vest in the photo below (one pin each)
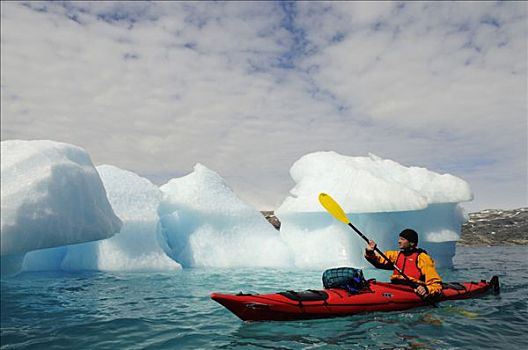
(408, 264)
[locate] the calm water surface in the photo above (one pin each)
(173, 311)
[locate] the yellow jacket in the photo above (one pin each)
(430, 277)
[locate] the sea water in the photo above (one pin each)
(173, 311)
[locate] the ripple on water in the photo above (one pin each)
(173, 310)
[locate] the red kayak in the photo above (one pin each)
(376, 296)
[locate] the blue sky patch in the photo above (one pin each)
(492, 21)
(299, 46)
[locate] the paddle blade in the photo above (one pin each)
(333, 208)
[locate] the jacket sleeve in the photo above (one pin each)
(433, 281)
(379, 262)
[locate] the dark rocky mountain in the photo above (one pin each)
(496, 227)
(270, 216)
(485, 228)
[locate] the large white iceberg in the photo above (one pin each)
(51, 196)
(135, 248)
(381, 198)
(203, 223)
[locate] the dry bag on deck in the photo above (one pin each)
(347, 278)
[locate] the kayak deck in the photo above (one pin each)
(376, 296)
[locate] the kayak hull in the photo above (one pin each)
(378, 296)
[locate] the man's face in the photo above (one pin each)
(404, 243)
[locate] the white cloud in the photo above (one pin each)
(248, 87)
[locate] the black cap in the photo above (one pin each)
(410, 235)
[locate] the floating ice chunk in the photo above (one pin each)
(51, 196)
(135, 248)
(203, 223)
(368, 185)
(380, 197)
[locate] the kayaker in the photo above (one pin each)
(413, 261)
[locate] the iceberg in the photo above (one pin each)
(51, 196)
(135, 248)
(380, 197)
(61, 213)
(203, 223)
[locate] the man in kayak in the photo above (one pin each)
(412, 261)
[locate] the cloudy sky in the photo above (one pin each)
(246, 88)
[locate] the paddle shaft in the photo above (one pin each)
(335, 209)
(383, 255)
